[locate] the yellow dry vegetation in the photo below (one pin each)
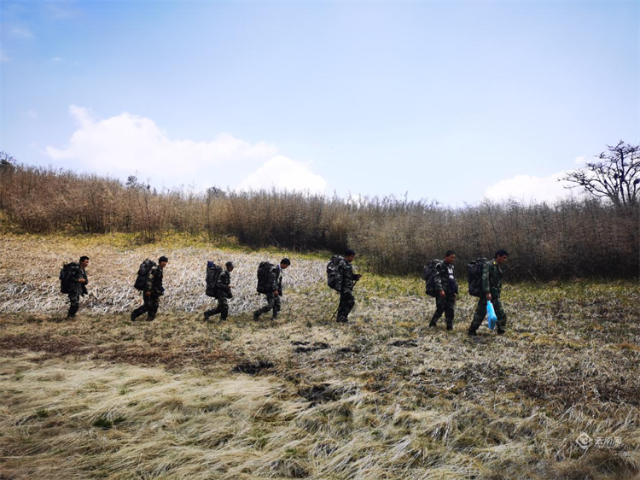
(383, 397)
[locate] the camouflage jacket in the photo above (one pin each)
(224, 280)
(78, 274)
(154, 281)
(275, 279)
(443, 281)
(346, 278)
(492, 278)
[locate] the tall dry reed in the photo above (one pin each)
(572, 238)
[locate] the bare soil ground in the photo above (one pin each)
(383, 397)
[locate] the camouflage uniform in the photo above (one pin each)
(491, 283)
(77, 290)
(222, 293)
(273, 300)
(152, 301)
(345, 282)
(445, 281)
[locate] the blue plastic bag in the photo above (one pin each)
(492, 319)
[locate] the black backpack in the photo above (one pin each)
(429, 276)
(474, 275)
(143, 275)
(333, 271)
(67, 274)
(264, 270)
(213, 274)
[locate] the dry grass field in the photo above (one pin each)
(383, 397)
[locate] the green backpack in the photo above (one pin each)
(143, 275)
(429, 276)
(264, 271)
(474, 274)
(67, 276)
(213, 274)
(333, 271)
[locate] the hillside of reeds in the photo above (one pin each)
(572, 238)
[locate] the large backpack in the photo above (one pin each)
(264, 271)
(474, 275)
(143, 275)
(333, 271)
(429, 276)
(213, 274)
(66, 277)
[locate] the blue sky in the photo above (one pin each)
(450, 101)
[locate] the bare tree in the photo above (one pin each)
(616, 176)
(6, 160)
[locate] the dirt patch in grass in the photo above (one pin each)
(574, 391)
(135, 355)
(303, 348)
(322, 393)
(253, 368)
(58, 346)
(404, 343)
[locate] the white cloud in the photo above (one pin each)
(32, 114)
(528, 187)
(21, 32)
(128, 144)
(580, 160)
(3, 57)
(56, 59)
(283, 173)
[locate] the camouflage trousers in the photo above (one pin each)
(74, 304)
(150, 307)
(222, 308)
(447, 306)
(481, 313)
(347, 301)
(273, 303)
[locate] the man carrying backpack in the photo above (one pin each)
(345, 281)
(153, 290)
(75, 283)
(491, 289)
(222, 293)
(446, 290)
(272, 289)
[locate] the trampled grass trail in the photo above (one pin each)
(383, 397)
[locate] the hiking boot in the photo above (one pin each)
(449, 326)
(342, 320)
(472, 333)
(501, 331)
(256, 315)
(275, 316)
(432, 324)
(206, 317)
(133, 316)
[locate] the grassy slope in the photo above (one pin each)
(383, 397)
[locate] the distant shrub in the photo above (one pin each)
(572, 238)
